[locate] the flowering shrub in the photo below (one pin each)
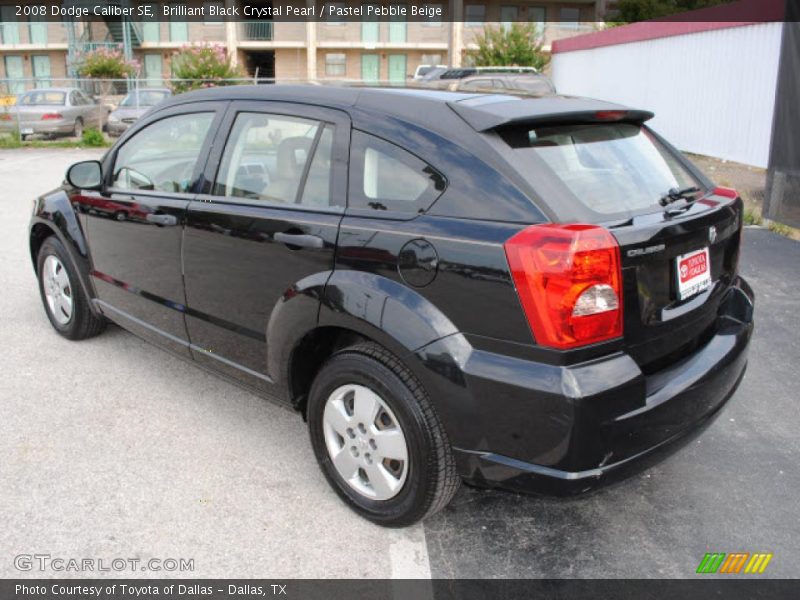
(106, 63)
(202, 66)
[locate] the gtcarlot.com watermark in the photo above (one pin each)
(60, 564)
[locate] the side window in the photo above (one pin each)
(383, 176)
(163, 155)
(265, 158)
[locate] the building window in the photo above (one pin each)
(37, 30)
(475, 15)
(569, 17)
(178, 30)
(335, 64)
(431, 59)
(537, 16)
(14, 75)
(508, 14)
(151, 26)
(8, 25)
(207, 18)
(433, 21)
(153, 70)
(41, 71)
(333, 19)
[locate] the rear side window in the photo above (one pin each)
(613, 169)
(267, 156)
(383, 176)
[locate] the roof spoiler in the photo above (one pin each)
(491, 111)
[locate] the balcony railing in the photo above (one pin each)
(257, 31)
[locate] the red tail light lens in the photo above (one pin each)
(725, 192)
(52, 116)
(5, 117)
(569, 281)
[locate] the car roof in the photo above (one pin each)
(429, 106)
(506, 75)
(53, 89)
(150, 89)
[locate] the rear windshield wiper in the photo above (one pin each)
(676, 194)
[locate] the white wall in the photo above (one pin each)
(713, 93)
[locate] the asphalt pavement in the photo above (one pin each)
(111, 448)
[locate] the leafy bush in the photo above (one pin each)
(93, 137)
(106, 63)
(632, 11)
(202, 66)
(517, 46)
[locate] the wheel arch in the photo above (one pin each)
(355, 307)
(54, 216)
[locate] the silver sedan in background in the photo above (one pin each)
(133, 106)
(54, 111)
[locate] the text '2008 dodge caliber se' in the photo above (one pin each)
(533, 294)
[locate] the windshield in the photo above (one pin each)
(614, 170)
(43, 98)
(144, 98)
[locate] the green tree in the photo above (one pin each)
(519, 45)
(632, 11)
(202, 66)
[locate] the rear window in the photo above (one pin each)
(612, 169)
(144, 98)
(43, 98)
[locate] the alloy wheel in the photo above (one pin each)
(57, 290)
(365, 442)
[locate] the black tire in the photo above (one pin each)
(432, 479)
(77, 131)
(23, 137)
(120, 215)
(83, 323)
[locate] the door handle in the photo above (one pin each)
(168, 220)
(299, 240)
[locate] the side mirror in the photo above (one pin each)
(86, 175)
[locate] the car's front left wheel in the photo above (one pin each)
(65, 302)
(378, 438)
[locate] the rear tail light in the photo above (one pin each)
(725, 192)
(569, 281)
(5, 117)
(52, 116)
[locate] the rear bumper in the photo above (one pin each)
(60, 126)
(565, 430)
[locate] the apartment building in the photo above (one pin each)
(34, 52)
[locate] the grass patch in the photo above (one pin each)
(752, 217)
(780, 228)
(11, 142)
(93, 138)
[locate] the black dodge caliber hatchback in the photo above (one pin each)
(533, 294)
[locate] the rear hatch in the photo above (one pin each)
(662, 323)
(678, 236)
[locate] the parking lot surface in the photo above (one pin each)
(112, 448)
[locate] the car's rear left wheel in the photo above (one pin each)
(65, 302)
(378, 439)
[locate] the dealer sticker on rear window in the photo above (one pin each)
(694, 273)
